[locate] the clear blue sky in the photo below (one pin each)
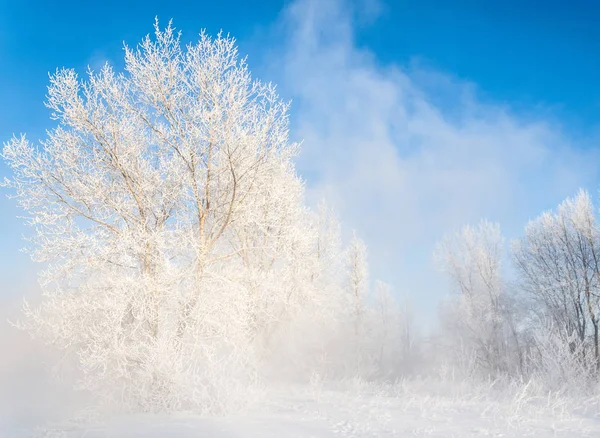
(526, 53)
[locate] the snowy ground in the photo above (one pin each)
(403, 411)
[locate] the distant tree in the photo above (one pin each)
(385, 317)
(478, 316)
(409, 338)
(357, 281)
(558, 261)
(392, 333)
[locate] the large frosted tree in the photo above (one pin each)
(167, 208)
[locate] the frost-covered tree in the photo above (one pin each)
(558, 261)
(409, 338)
(393, 334)
(326, 277)
(167, 208)
(357, 286)
(478, 316)
(385, 317)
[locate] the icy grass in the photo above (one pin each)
(354, 408)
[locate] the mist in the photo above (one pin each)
(407, 154)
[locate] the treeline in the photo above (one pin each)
(528, 309)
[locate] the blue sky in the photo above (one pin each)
(405, 106)
(515, 51)
(523, 52)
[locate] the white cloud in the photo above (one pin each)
(408, 154)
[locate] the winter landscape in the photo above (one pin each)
(297, 233)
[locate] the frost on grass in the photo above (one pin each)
(355, 408)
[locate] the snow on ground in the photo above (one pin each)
(400, 411)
